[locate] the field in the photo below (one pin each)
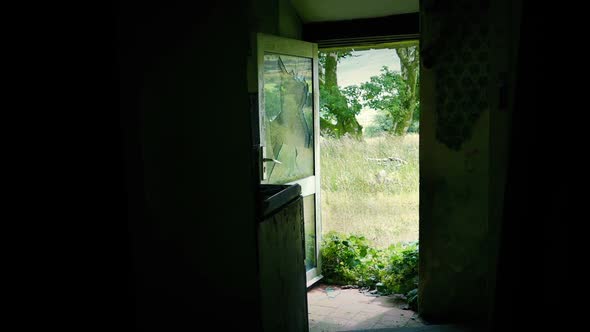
(365, 192)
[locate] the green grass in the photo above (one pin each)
(378, 200)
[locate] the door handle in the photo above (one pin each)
(273, 160)
(262, 161)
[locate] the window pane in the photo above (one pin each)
(288, 117)
(309, 228)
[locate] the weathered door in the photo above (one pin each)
(288, 97)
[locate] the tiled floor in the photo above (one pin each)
(332, 308)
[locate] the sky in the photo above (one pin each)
(362, 65)
(359, 68)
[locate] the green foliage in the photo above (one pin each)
(353, 97)
(390, 93)
(402, 268)
(341, 258)
(415, 124)
(412, 298)
(382, 125)
(333, 106)
(383, 92)
(414, 127)
(350, 260)
(338, 106)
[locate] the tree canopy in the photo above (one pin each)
(338, 106)
(395, 93)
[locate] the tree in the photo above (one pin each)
(338, 106)
(396, 93)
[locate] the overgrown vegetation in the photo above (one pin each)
(350, 260)
(338, 106)
(363, 195)
(394, 93)
(370, 177)
(391, 93)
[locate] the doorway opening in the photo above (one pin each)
(369, 113)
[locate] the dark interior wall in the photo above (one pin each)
(275, 17)
(264, 16)
(363, 31)
(290, 25)
(185, 112)
(468, 52)
(506, 17)
(543, 203)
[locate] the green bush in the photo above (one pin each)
(412, 298)
(342, 259)
(401, 274)
(349, 260)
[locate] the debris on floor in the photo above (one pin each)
(334, 308)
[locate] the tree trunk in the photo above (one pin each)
(330, 74)
(409, 61)
(344, 124)
(401, 127)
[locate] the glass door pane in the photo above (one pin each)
(310, 232)
(288, 117)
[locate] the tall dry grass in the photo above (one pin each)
(362, 195)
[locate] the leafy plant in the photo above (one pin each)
(392, 93)
(350, 260)
(338, 106)
(341, 258)
(401, 275)
(412, 298)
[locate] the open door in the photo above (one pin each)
(288, 125)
